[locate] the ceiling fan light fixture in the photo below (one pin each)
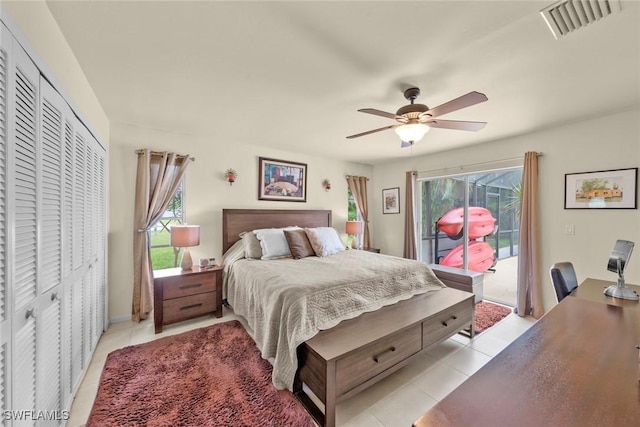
(412, 132)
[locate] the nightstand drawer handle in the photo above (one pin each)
(384, 355)
(452, 318)
(187, 307)
(195, 285)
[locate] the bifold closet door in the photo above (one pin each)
(23, 250)
(49, 322)
(5, 323)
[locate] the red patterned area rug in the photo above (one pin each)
(488, 314)
(211, 376)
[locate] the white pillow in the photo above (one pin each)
(324, 241)
(273, 243)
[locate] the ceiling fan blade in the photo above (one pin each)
(405, 144)
(456, 124)
(371, 131)
(378, 113)
(472, 98)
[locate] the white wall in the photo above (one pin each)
(49, 49)
(609, 142)
(206, 194)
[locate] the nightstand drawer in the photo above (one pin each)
(178, 309)
(176, 287)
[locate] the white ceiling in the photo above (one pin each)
(292, 75)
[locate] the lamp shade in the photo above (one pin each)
(412, 132)
(354, 227)
(183, 236)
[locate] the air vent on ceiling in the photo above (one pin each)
(566, 16)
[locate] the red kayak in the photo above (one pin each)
(481, 257)
(481, 222)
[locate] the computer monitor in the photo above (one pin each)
(617, 262)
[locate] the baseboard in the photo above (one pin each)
(119, 319)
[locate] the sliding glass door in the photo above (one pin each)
(470, 221)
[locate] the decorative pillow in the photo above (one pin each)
(324, 241)
(273, 243)
(298, 242)
(252, 248)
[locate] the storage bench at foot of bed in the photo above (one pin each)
(357, 353)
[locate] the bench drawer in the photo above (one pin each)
(370, 360)
(447, 322)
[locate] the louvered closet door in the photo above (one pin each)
(24, 199)
(88, 249)
(99, 239)
(78, 317)
(95, 240)
(49, 321)
(5, 324)
(68, 279)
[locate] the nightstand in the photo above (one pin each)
(181, 295)
(376, 250)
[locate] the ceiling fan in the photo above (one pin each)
(415, 120)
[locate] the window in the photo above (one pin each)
(163, 255)
(352, 213)
(496, 191)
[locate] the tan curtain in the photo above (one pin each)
(529, 289)
(159, 175)
(358, 187)
(410, 249)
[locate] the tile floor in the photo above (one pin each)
(398, 400)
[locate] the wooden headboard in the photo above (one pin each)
(235, 221)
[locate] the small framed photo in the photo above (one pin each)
(612, 189)
(391, 200)
(282, 180)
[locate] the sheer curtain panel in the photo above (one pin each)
(158, 177)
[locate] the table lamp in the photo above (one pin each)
(355, 228)
(185, 236)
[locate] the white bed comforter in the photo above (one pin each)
(287, 301)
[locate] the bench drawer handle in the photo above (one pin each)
(452, 318)
(187, 307)
(384, 355)
(195, 285)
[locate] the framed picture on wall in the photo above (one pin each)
(391, 200)
(612, 189)
(282, 180)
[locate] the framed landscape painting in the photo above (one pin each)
(391, 200)
(282, 180)
(612, 189)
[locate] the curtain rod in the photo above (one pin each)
(161, 153)
(476, 164)
(354, 176)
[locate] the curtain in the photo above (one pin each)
(529, 292)
(358, 187)
(410, 249)
(158, 177)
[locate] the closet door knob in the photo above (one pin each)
(54, 296)
(30, 313)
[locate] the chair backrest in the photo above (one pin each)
(564, 279)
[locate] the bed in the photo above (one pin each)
(336, 324)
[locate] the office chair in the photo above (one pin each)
(564, 279)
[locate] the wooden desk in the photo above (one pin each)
(593, 290)
(577, 366)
